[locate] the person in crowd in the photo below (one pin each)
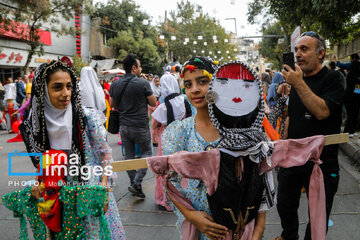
(24, 110)
(266, 81)
(131, 95)
(173, 108)
(277, 100)
(352, 97)
(102, 83)
(10, 103)
(196, 134)
(97, 150)
(156, 87)
(55, 122)
(272, 94)
(20, 91)
(346, 66)
(332, 65)
(150, 78)
(29, 84)
(314, 109)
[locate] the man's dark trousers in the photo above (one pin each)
(142, 137)
(291, 181)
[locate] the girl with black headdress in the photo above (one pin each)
(55, 125)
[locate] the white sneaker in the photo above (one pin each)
(351, 135)
(355, 134)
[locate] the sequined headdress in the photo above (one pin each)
(206, 64)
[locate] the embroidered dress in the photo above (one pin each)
(77, 201)
(98, 153)
(178, 136)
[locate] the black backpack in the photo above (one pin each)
(236, 202)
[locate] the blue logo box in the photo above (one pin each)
(17, 154)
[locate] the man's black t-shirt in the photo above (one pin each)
(133, 106)
(330, 86)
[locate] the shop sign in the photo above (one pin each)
(13, 57)
(42, 60)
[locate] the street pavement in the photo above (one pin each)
(143, 220)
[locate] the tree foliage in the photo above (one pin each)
(336, 20)
(272, 49)
(191, 27)
(40, 14)
(128, 36)
(127, 42)
(78, 64)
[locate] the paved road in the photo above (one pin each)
(143, 220)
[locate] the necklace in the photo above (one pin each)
(207, 147)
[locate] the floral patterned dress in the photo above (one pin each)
(182, 136)
(98, 153)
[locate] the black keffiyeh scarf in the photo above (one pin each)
(33, 129)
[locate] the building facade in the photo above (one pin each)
(14, 50)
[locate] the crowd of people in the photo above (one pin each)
(187, 110)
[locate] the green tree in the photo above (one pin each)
(190, 27)
(38, 14)
(273, 48)
(145, 49)
(336, 20)
(128, 36)
(78, 64)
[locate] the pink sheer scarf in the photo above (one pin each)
(206, 165)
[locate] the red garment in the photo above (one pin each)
(206, 165)
(52, 217)
(107, 86)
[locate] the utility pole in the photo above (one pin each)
(235, 24)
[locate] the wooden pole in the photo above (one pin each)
(133, 164)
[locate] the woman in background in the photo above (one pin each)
(97, 150)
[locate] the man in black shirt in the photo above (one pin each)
(314, 109)
(130, 95)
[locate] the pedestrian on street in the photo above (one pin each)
(20, 91)
(131, 95)
(352, 97)
(10, 104)
(314, 109)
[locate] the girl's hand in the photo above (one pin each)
(205, 223)
(36, 191)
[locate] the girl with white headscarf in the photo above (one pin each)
(92, 94)
(97, 150)
(156, 89)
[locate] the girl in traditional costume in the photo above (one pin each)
(197, 134)
(97, 151)
(56, 126)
